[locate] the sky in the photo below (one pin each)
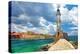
(41, 17)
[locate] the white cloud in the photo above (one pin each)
(29, 24)
(47, 28)
(74, 32)
(69, 16)
(24, 17)
(73, 28)
(74, 15)
(43, 30)
(55, 6)
(18, 28)
(42, 21)
(52, 27)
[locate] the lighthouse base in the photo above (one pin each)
(60, 35)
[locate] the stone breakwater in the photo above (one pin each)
(61, 44)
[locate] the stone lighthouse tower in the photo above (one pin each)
(59, 34)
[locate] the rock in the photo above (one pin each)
(65, 35)
(45, 48)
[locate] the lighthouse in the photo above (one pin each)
(59, 33)
(58, 15)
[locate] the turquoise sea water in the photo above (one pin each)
(32, 45)
(28, 45)
(73, 38)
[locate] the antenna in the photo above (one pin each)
(58, 6)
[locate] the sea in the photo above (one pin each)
(18, 45)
